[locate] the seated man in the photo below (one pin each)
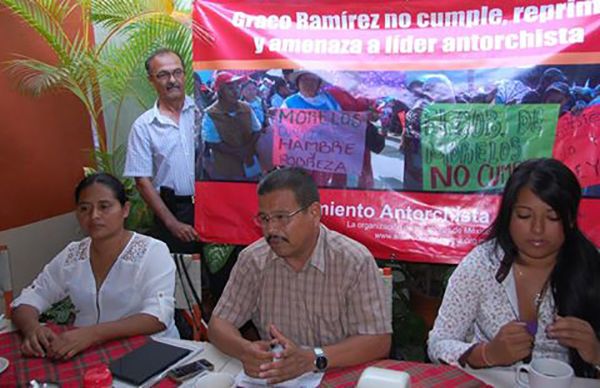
(314, 291)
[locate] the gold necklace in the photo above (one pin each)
(539, 296)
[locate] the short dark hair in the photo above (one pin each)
(161, 51)
(108, 180)
(295, 179)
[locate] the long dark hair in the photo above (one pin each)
(574, 279)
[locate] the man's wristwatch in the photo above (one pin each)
(320, 360)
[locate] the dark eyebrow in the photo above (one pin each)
(548, 209)
(102, 201)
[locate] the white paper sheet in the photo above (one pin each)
(307, 380)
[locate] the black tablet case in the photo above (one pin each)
(146, 361)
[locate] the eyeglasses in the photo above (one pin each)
(281, 219)
(166, 75)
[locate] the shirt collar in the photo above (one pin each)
(318, 99)
(317, 258)
(188, 103)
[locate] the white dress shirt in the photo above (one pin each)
(162, 150)
(142, 280)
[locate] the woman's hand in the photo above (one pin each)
(37, 341)
(512, 343)
(68, 344)
(577, 334)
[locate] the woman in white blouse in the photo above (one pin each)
(531, 289)
(121, 283)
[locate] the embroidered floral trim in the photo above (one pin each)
(136, 249)
(78, 251)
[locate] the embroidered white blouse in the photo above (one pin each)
(142, 280)
(476, 306)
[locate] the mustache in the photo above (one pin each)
(276, 237)
(172, 85)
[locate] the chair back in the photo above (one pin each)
(188, 291)
(6, 279)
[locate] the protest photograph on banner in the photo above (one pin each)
(409, 128)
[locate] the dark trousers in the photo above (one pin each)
(183, 209)
(212, 284)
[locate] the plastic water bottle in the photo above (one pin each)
(276, 350)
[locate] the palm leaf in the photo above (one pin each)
(122, 73)
(130, 78)
(179, 40)
(46, 18)
(112, 14)
(110, 162)
(117, 15)
(35, 77)
(57, 10)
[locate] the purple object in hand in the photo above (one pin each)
(532, 327)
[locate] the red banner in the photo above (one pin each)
(397, 33)
(421, 227)
(577, 144)
(454, 95)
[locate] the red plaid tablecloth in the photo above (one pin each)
(68, 373)
(421, 375)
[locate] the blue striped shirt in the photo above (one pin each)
(162, 150)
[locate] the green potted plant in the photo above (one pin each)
(106, 74)
(102, 73)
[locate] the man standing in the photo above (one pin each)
(230, 129)
(160, 153)
(314, 291)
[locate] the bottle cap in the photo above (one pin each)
(387, 271)
(277, 350)
(97, 376)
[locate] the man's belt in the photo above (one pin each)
(168, 196)
(184, 198)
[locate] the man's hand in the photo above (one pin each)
(182, 231)
(577, 334)
(256, 354)
(68, 344)
(37, 341)
(512, 343)
(294, 361)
